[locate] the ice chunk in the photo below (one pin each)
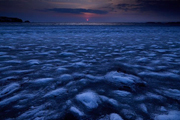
(173, 93)
(172, 115)
(56, 93)
(139, 118)
(163, 109)
(122, 79)
(143, 59)
(163, 76)
(82, 51)
(140, 98)
(115, 116)
(34, 62)
(144, 108)
(9, 89)
(119, 78)
(89, 99)
(109, 100)
(42, 80)
(89, 48)
(154, 96)
(65, 78)
(94, 78)
(14, 61)
(10, 100)
(161, 50)
(18, 71)
(3, 53)
(61, 69)
(121, 93)
(67, 54)
(5, 68)
(106, 117)
(80, 64)
(30, 113)
(128, 114)
(76, 111)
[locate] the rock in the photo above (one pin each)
(27, 21)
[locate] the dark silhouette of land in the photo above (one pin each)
(10, 19)
(163, 23)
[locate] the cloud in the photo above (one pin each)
(156, 6)
(76, 11)
(127, 7)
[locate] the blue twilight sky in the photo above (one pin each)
(93, 10)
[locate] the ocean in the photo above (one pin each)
(89, 71)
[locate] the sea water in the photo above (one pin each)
(97, 71)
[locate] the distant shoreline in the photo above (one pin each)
(90, 24)
(4, 19)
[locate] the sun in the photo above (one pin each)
(87, 19)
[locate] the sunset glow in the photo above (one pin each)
(97, 10)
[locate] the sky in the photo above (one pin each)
(92, 10)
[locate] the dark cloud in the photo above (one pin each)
(156, 6)
(76, 11)
(127, 7)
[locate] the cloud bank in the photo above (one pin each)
(76, 11)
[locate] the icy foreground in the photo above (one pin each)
(89, 73)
